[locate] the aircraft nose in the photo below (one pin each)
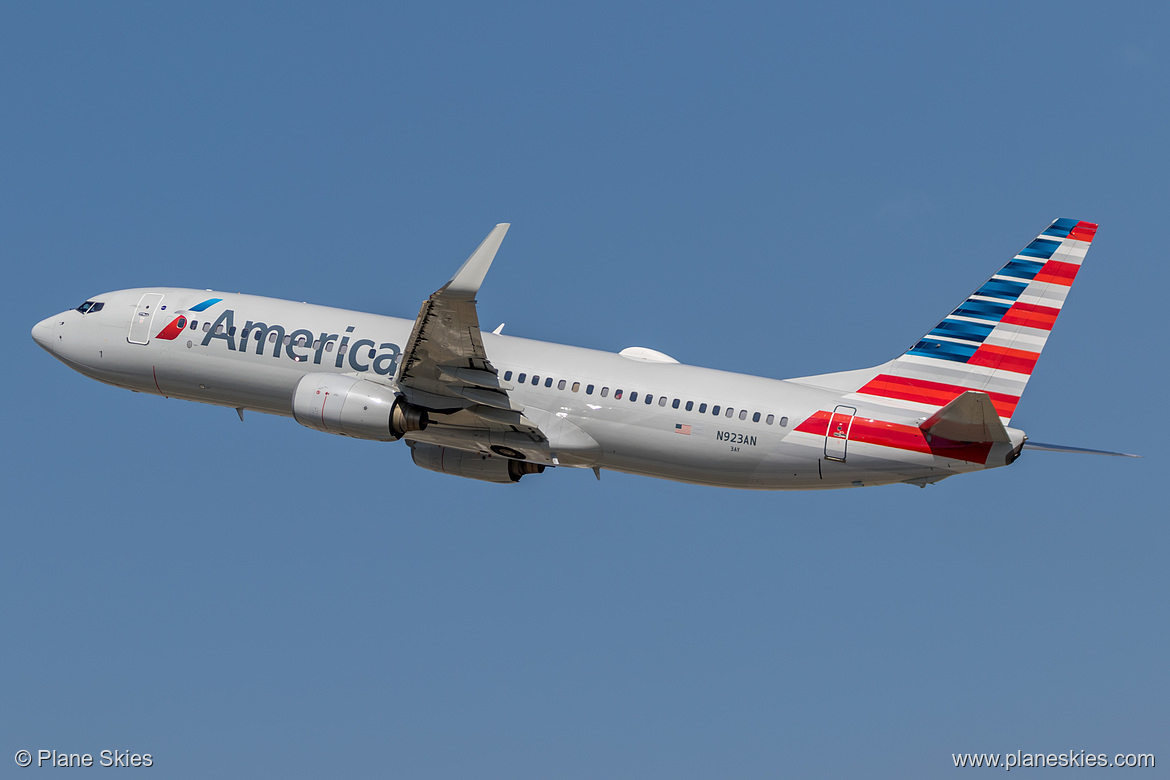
(43, 331)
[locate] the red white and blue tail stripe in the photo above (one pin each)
(992, 341)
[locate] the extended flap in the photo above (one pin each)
(969, 417)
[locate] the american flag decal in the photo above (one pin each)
(685, 430)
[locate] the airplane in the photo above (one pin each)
(497, 408)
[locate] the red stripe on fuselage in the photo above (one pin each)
(933, 393)
(1058, 272)
(1004, 359)
(866, 430)
(1031, 315)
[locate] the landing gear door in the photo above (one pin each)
(837, 437)
(143, 318)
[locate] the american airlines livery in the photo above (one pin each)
(496, 408)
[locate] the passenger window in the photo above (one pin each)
(343, 349)
(206, 326)
(715, 409)
(675, 403)
(588, 389)
(576, 386)
(561, 385)
(272, 338)
(649, 399)
(702, 408)
(617, 394)
(770, 419)
(662, 401)
(287, 340)
(372, 354)
(535, 380)
(729, 412)
(604, 392)
(783, 422)
(690, 405)
(634, 395)
(194, 324)
(328, 344)
(548, 382)
(521, 378)
(317, 344)
(507, 376)
(231, 330)
(756, 417)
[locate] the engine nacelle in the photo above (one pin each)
(335, 403)
(472, 465)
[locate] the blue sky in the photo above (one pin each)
(774, 190)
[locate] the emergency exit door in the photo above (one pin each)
(837, 437)
(141, 322)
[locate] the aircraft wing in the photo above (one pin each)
(444, 366)
(970, 416)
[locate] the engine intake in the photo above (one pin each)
(346, 406)
(472, 465)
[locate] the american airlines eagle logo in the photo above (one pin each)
(176, 326)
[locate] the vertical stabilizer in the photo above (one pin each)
(992, 341)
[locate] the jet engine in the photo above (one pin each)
(472, 465)
(346, 406)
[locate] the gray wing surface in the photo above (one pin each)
(445, 367)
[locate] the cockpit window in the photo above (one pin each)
(90, 306)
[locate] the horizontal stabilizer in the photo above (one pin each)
(971, 416)
(1035, 445)
(647, 354)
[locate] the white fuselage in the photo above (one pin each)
(600, 410)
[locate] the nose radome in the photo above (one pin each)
(42, 332)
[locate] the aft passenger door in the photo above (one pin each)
(837, 437)
(142, 319)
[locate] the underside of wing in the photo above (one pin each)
(445, 369)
